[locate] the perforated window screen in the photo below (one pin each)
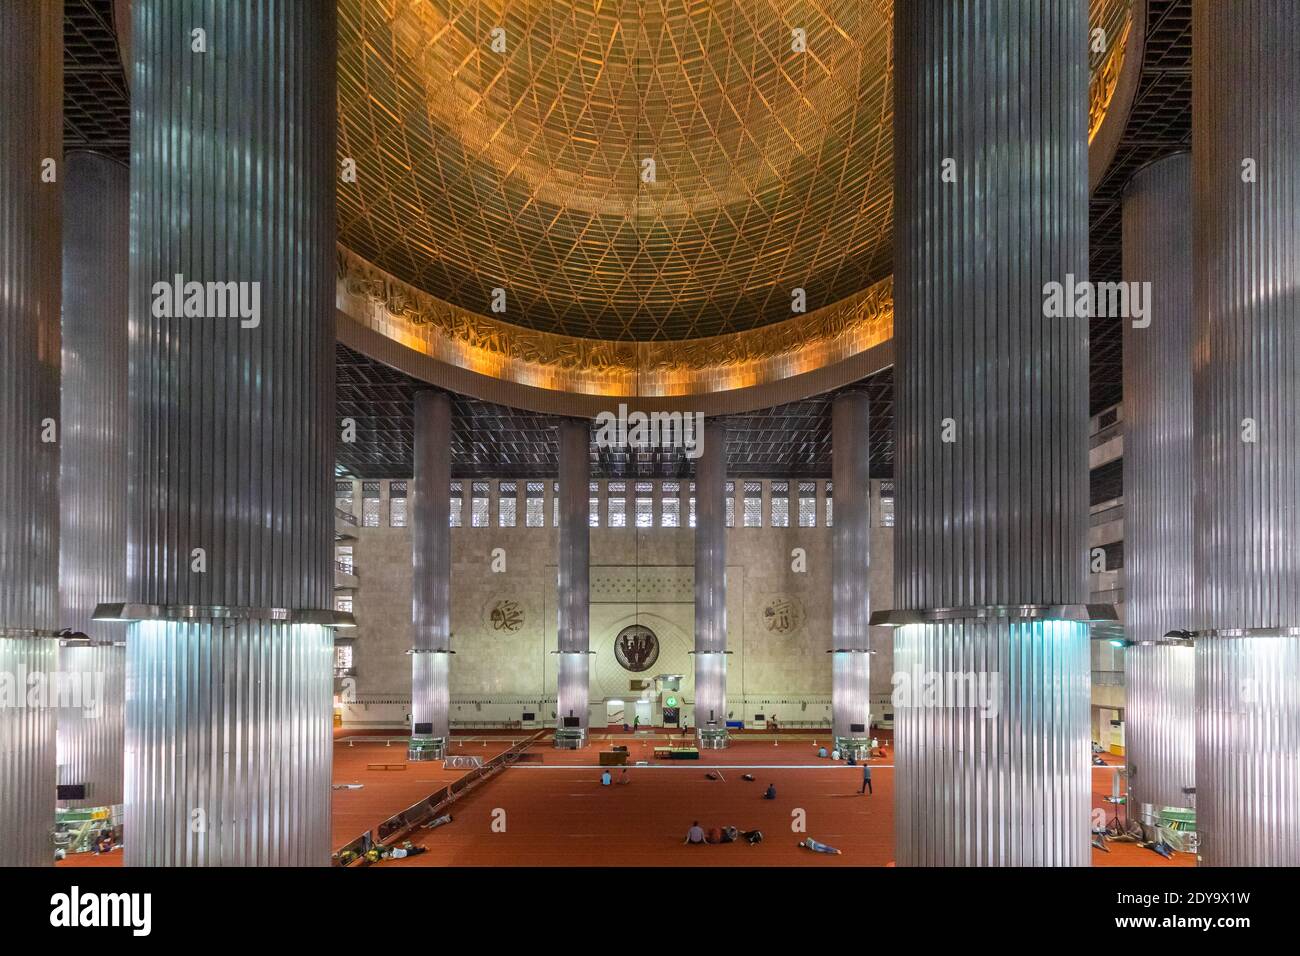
(807, 504)
(479, 505)
(830, 504)
(534, 505)
(507, 503)
(645, 504)
(455, 504)
(731, 504)
(780, 504)
(617, 504)
(753, 504)
(670, 504)
(343, 497)
(370, 504)
(397, 504)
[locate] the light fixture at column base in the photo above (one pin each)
(129, 612)
(570, 738)
(426, 748)
(712, 738)
(900, 617)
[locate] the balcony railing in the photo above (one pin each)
(345, 516)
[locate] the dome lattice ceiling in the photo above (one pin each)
(523, 170)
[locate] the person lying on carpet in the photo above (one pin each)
(811, 844)
(753, 837)
(695, 834)
(770, 792)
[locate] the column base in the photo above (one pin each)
(426, 748)
(712, 738)
(570, 738)
(1175, 826)
(858, 747)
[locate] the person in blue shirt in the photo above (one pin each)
(811, 844)
(866, 779)
(605, 778)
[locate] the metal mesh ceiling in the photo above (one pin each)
(493, 440)
(96, 107)
(1160, 123)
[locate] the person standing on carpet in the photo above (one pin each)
(866, 779)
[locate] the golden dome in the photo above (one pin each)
(504, 144)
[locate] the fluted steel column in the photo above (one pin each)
(991, 464)
(574, 624)
(711, 587)
(31, 138)
(1159, 680)
(851, 586)
(1246, 243)
(229, 673)
(92, 474)
(431, 564)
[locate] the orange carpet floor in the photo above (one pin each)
(386, 792)
(558, 814)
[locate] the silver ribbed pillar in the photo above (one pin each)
(92, 473)
(991, 433)
(1159, 679)
(431, 564)
(851, 584)
(711, 588)
(573, 681)
(1246, 243)
(228, 723)
(31, 131)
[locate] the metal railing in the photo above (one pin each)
(400, 824)
(344, 568)
(345, 516)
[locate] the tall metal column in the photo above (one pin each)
(991, 658)
(1246, 243)
(1160, 671)
(711, 588)
(851, 587)
(92, 478)
(229, 661)
(573, 676)
(431, 563)
(31, 139)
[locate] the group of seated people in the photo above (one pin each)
(697, 834)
